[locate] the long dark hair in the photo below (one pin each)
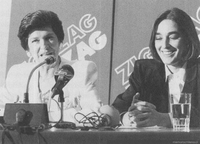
(186, 27)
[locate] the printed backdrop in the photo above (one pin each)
(112, 33)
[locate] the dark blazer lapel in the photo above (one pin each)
(160, 97)
(161, 77)
(191, 74)
(158, 80)
(164, 94)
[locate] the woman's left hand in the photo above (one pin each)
(148, 115)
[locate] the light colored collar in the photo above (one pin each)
(181, 72)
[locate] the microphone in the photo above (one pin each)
(48, 61)
(111, 115)
(64, 75)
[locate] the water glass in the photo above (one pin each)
(180, 109)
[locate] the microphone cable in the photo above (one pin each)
(92, 120)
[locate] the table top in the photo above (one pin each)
(111, 136)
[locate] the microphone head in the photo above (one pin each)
(66, 72)
(62, 77)
(112, 113)
(50, 60)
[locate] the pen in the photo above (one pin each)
(134, 100)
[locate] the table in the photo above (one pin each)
(103, 136)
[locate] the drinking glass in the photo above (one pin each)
(180, 109)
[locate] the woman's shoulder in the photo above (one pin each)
(85, 63)
(148, 62)
(193, 62)
(86, 66)
(17, 76)
(76, 62)
(81, 67)
(23, 68)
(79, 64)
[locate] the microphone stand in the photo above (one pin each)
(26, 95)
(61, 123)
(49, 60)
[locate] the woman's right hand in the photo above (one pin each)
(135, 111)
(132, 109)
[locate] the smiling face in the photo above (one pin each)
(170, 43)
(43, 43)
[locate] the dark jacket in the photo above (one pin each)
(148, 78)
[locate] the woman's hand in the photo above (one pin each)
(144, 114)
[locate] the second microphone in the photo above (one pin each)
(63, 76)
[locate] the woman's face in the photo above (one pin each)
(169, 43)
(43, 43)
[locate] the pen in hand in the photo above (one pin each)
(140, 103)
(135, 99)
